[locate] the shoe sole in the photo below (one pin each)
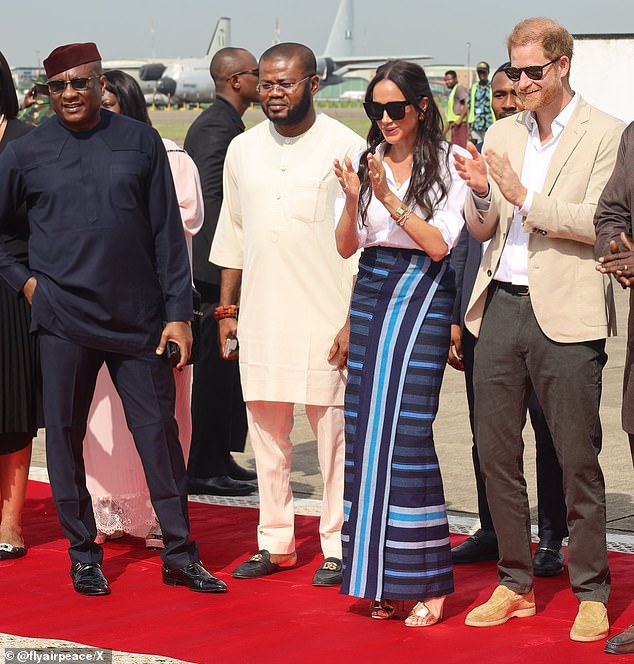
(520, 613)
(94, 593)
(548, 573)
(260, 576)
(327, 584)
(174, 582)
(590, 639)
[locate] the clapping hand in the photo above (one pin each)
(347, 176)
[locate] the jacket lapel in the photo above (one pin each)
(570, 137)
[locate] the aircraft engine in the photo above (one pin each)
(152, 71)
(325, 69)
(166, 86)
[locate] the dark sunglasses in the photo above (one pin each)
(534, 72)
(56, 87)
(255, 72)
(395, 109)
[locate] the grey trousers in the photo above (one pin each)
(511, 354)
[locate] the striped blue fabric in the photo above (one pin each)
(395, 533)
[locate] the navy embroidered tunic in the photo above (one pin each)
(106, 243)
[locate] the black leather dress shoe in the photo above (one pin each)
(258, 565)
(238, 472)
(621, 643)
(482, 545)
(195, 577)
(548, 559)
(88, 579)
(222, 485)
(329, 573)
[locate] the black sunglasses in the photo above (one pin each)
(534, 72)
(56, 87)
(255, 72)
(395, 109)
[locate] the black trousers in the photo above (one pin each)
(146, 387)
(219, 417)
(511, 354)
(551, 506)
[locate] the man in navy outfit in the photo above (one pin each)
(108, 266)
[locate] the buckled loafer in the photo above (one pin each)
(195, 577)
(329, 573)
(621, 643)
(238, 472)
(548, 559)
(221, 485)
(9, 552)
(482, 545)
(88, 579)
(258, 565)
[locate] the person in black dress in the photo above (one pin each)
(20, 394)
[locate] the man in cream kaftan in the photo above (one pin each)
(276, 231)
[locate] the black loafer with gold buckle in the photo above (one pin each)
(329, 573)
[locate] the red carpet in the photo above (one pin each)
(277, 619)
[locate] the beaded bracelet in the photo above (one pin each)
(229, 311)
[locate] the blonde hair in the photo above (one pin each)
(554, 39)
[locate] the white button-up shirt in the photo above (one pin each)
(513, 267)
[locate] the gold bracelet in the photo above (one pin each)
(401, 214)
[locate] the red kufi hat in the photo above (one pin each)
(70, 56)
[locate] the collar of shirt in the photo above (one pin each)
(235, 116)
(557, 125)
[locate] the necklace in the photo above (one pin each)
(401, 171)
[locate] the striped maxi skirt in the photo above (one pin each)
(395, 533)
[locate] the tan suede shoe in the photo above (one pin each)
(591, 623)
(503, 604)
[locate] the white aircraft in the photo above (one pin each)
(188, 80)
(340, 56)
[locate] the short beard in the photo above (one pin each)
(295, 113)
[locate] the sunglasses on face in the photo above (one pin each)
(395, 109)
(534, 72)
(56, 87)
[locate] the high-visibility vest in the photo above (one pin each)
(451, 116)
(472, 96)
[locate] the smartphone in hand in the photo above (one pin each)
(231, 346)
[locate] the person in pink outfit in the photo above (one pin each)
(114, 474)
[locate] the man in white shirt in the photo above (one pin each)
(275, 242)
(541, 313)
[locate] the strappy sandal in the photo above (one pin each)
(382, 610)
(421, 610)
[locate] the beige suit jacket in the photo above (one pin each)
(572, 302)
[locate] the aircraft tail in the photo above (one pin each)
(340, 42)
(221, 36)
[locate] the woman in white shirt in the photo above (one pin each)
(402, 204)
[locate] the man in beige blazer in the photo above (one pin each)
(541, 313)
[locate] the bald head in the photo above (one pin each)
(227, 62)
(287, 51)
